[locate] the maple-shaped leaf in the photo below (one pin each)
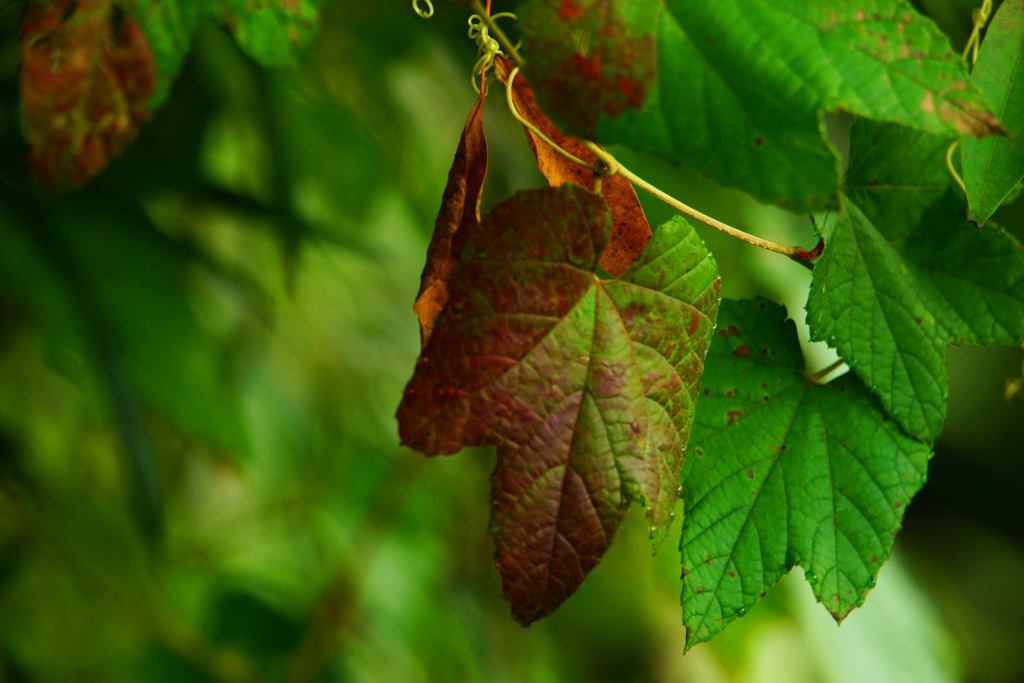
(630, 230)
(993, 166)
(86, 75)
(782, 471)
(586, 386)
(736, 89)
(904, 274)
(458, 216)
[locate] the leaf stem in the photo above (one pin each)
(952, 169)
(536, 131)
(498, 34)
(826, 371)
(609, 165)
(798, 254)
(980, 16)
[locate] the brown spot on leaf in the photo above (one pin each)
(730, 331)
(742, 351)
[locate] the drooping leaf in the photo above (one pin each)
(458, 216)
(904, 274)
(87, 75)
(782, 471)
(630, 230)
(586, 386)
(740, 86)
(993, 166)
(273, 32)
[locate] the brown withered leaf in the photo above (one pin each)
(630, 230)
(87, 73)
(459, 214)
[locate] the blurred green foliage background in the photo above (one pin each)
(200, 357)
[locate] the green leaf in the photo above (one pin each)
(168, 25)
(904, 275)
(587, 386)
(783, 471)
(274, 32)
(993, 166)
(739, 88)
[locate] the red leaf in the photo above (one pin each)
(87, 73)
(630, 230)
(459, 214)
(586, 386)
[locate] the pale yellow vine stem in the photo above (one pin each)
(496, 31)
(980, 17)
(536, 131)
(487, 47)
(826, 371)
(609, 165)
(614, 167)
(427, 12)
(952, 169)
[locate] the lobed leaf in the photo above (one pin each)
(783, 471)
(904, 275)
(994, 166)
(86, 78)
(630, 230)
(586, 386)
(739, 87)
(458, 216)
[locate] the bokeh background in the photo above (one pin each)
(202, 351)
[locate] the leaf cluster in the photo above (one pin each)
(591, 350)
(567, 371)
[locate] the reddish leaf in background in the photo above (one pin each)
(591, 59)
(86, 75)
(459, 214)
(587, 386)
(630, 230)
